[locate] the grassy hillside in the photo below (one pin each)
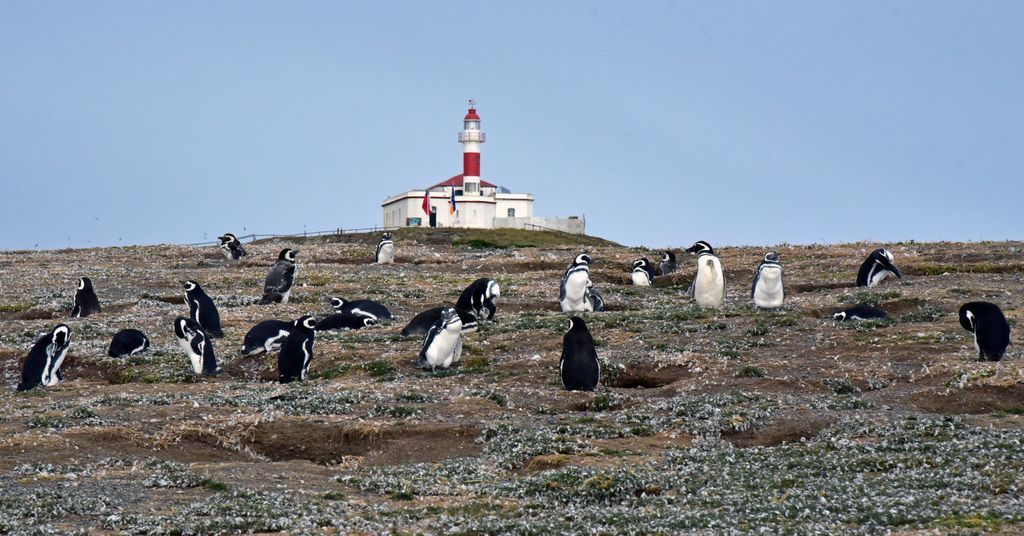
(724, 420)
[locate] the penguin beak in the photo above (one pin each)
(892, 268)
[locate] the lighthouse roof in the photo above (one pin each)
(471, 115)
(457, 182)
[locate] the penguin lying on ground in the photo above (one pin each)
(861, 311)
(266, 337)
(127, 343)
(344, 321)
(368, 308)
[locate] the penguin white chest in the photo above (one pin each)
(709, 285)
(878, 275)
(575, 291)
(768, 293)
(193, 357)
(441, 352)
(640, 278)
(387, 254)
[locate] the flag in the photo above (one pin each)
(426, 202)
(451, 204)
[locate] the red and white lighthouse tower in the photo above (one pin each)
(471, 137)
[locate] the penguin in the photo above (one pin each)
(385, 250)
(344, 321)
(767, 290)
(266, 337)
(421, 323)
(368, 308)
(572, 292)
(279, 281)
(878, 266)
(643, 272)
(668, 262)
(595, 300)
(42, 366)
(231, 247)
(708, 287)
(990, 328)
(127, 343)
(201, 308)
(861, 311)
(86, 302)
(579, 368)
(479, 297)
(443, 344)
(297, 351)
(197, 346)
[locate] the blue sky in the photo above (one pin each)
(662, 122)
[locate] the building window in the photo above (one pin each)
(472, 125)
(511, 213)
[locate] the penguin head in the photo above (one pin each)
(227, 238)
(493, 290)
(840, 316)
(577, 323)
(582, 258)
(337, 303)
(968, 319)
(668, 256)
(190, 285)
(449, 316)
(701, 247)
(84, 283)
(306, 322)
(288, 254)
(886, 260)
(772, 256)
(181, 327)
(386, 236)
(367, 322)
(61, 335)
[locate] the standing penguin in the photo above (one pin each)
(578, 366)
(421, 323)
(480, 296)
(278, 284)
(385, 250)
(368, 308)
(767, 290)
(708, 287)
(572, 292)
(42, 366)
(990, 328)
(199, 349)
(668, 262)
(878, 266)
(127, 343)
(297, 351)
(86, 302)
(643, 272)
(443, 344)
(266, 337)
(231, 247)
(201, 308)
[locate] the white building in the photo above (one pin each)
(478, 203)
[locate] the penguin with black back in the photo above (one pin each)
(643, 272)
(368, 308)
(86, 301)
(420, 324)
(385, 250)
(990, 328)
(127, 343)
(579, 368)
(231, 247)
(344, 321)
(266, 337)
(876, 268)
(193, 340)
(668, 262)
(42, 366)
(480, 297)
(278, 285)
(297, 351)
(861, 311)
(201, 308)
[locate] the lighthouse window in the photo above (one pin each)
(511, 213)
(472, 125)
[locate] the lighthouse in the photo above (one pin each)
(471, 137)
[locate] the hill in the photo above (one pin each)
(729, 419)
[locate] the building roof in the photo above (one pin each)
(472, 115)
(457, 182)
